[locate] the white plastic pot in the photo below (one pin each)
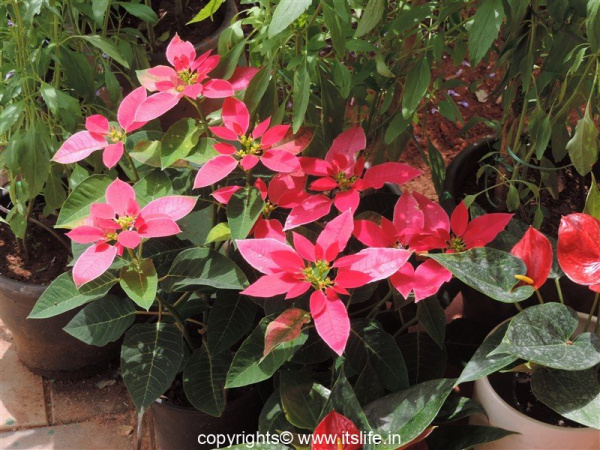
(533, 434)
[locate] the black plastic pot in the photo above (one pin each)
(480, 307)
(42, 345)
(179, 428)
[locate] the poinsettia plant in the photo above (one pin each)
(241, 258)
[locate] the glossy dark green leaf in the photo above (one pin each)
(163, 251)
(150, 357)
(302, 399)
(431, 315)
(230, 319)
(423, 357)
(456, 407)
(489, 271)
(343, 400)
(459, 437)
(103, 321)
(272, 417)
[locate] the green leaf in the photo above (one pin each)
(150, 357)
(35, 162)
(409, 412)
(211, 8)
(102, 321)
(302, 399)
(61, 105)
(196, 226)
(369, 342)
(203, 267)
(396, 127)
(99, 9)
(229, 62)
(592, 23)
(249, 366)
(370, 18)
(592, 202)
(423, 358)
(343, 400)
(438, 168)
(301, 95)
(457, 407)
(154, 185)
(140, 284)
(542, 334)
(272, 417)
(54, 193)
(257, 87)
(140, 11)
(10, 115)
(334, 24)
(431, 315)
(230, 318)
(417, 82)
(219, 233)
(572, 394)
(459, 437)
(286, 327)
(541, 130)
(482, 363)
(489, 271)
(62, 295)
(77, 205)
(243, 211)
(203, 152)
(78, 73)
(178, 141)
(147, 152)
(163, 251)
(583, 146)
(204, 380)
(107, 47)
(285, 13)
(485, 28)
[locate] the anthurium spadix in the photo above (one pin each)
(295, 270)
(120, 223)
(100, 134)
(578, 249)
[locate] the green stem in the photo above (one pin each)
(539, 296)
(597, 327)
(381, 302)
(519, 307)
(180, 322)
(591, 314)
(559, 290)
(133, 169)
(406, 326)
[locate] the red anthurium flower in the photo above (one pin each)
(120, 223)
(344, 174)
(336, 427)
(578, 249)
(536, 252)
(295, 270)
(256, 146)
(187, 77)
(101, 134)
(477, 232)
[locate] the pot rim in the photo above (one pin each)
(485, 384)
(19, 286)
(171, 405)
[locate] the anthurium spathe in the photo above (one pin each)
(100, 134)
(336, 432)
(536, 252)
(120, 223)
(578, 249)
(295, 270)
(187, 77)
(255, 147)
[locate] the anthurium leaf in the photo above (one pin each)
(592, 202)
(163, 252)
(285, 13)
(410, 411)
(272, 417)
(482, 363)
(62, 295)
(542, 334)
(203, 267)
(456, 407)
(249, 366)
(178, 141)
(302, 399)
(459, 437)
(220, 232)
(230, 319)
(583, 146)
(286, 327)
(489, 271)
(77, 206)
(243, 210)
(140, 283)
(154, 185)
(204, 380)
(431, 315)
(369, 342)
(343, 400)
(485, 28)
(103, 321)
(150, 357)
(424, 359)
(370, 17)
(572, 394)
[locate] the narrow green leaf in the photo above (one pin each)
(431, 315)
(370, 18)
(301, 95)
(204, 380)
(485, 28)
(592, 23)
(150, 357)
(107, 47)
(140, 11)
(257, 87)
(140, 283)
(592, 202)
(396, 127)
(417, 82)
(208, 11)
(285, 13)
(10, 115)
(103, 321)
(220, 232)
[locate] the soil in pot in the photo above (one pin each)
(515, 389)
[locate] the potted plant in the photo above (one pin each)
(48, 68)
(548, 353)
